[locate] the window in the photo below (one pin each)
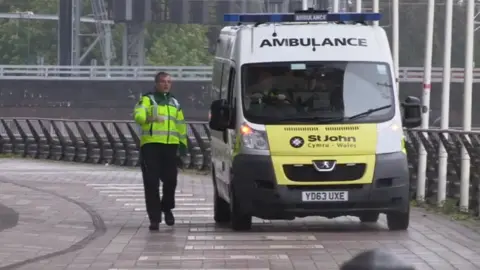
(231, 86)
(312, 91)
(225, 80)
(216, 79)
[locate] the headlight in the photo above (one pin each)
(253, 139)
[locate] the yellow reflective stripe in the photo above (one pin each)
(154, 105)
(179, 122)
(172, 118)
(174, 102)
(161, 133)
(140, 107)
(136, 111)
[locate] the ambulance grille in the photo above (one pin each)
(341, 128)
(301, 129)
(307, 173)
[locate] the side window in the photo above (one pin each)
(225, 80)
(231, 86)
(217, 79)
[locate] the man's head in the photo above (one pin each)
(265, 80)
(163, 82)
(264, 75)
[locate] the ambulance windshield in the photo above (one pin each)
(317, 91)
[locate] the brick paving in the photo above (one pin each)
(75, 216)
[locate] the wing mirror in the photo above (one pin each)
(220, 115)
(412, 112)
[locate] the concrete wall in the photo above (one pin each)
(112, 100)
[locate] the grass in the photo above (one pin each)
(449, 208)
(9, 155)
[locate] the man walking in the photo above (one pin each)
(163, 134)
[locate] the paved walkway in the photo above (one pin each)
(75, 216)
(8, 217)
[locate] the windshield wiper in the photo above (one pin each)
(385, 84)
(368, 112)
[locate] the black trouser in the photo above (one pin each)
(159, 162)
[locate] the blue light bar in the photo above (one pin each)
(300, 17)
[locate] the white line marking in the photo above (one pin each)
(201, 258)
(189, 269)
(251, 247)
(141, 199)
(178, 203)
(192, 209)
(251, 237)
(140, 195)
(132, 191)
(192, 215)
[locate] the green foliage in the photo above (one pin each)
(448, 208)
(23, 41)
(179, 45)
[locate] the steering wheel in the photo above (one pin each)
(274, 99)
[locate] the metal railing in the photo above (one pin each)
(91, 141)
(117, 142)
(193, 73)
(33, 16)
(453, 141)
(147, 73)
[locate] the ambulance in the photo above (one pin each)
(306, 120)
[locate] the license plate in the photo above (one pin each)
(325, 196)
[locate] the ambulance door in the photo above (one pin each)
(217, 142)
(231, 133)
(225, 145)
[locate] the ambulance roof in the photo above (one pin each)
(306, 37)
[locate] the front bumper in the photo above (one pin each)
(256, 189)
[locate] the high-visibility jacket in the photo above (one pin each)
(173, 130)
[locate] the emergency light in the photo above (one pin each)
(301, 16)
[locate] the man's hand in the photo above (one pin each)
(282, 97)
(180, 163)
(156, 118)
(257, 96)
(182, 149)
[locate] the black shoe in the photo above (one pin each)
(153, 227)
(169, 218)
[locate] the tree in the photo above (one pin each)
(179, 45)
(413, 19)
(22, 41)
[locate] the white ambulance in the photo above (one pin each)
(306, 120)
